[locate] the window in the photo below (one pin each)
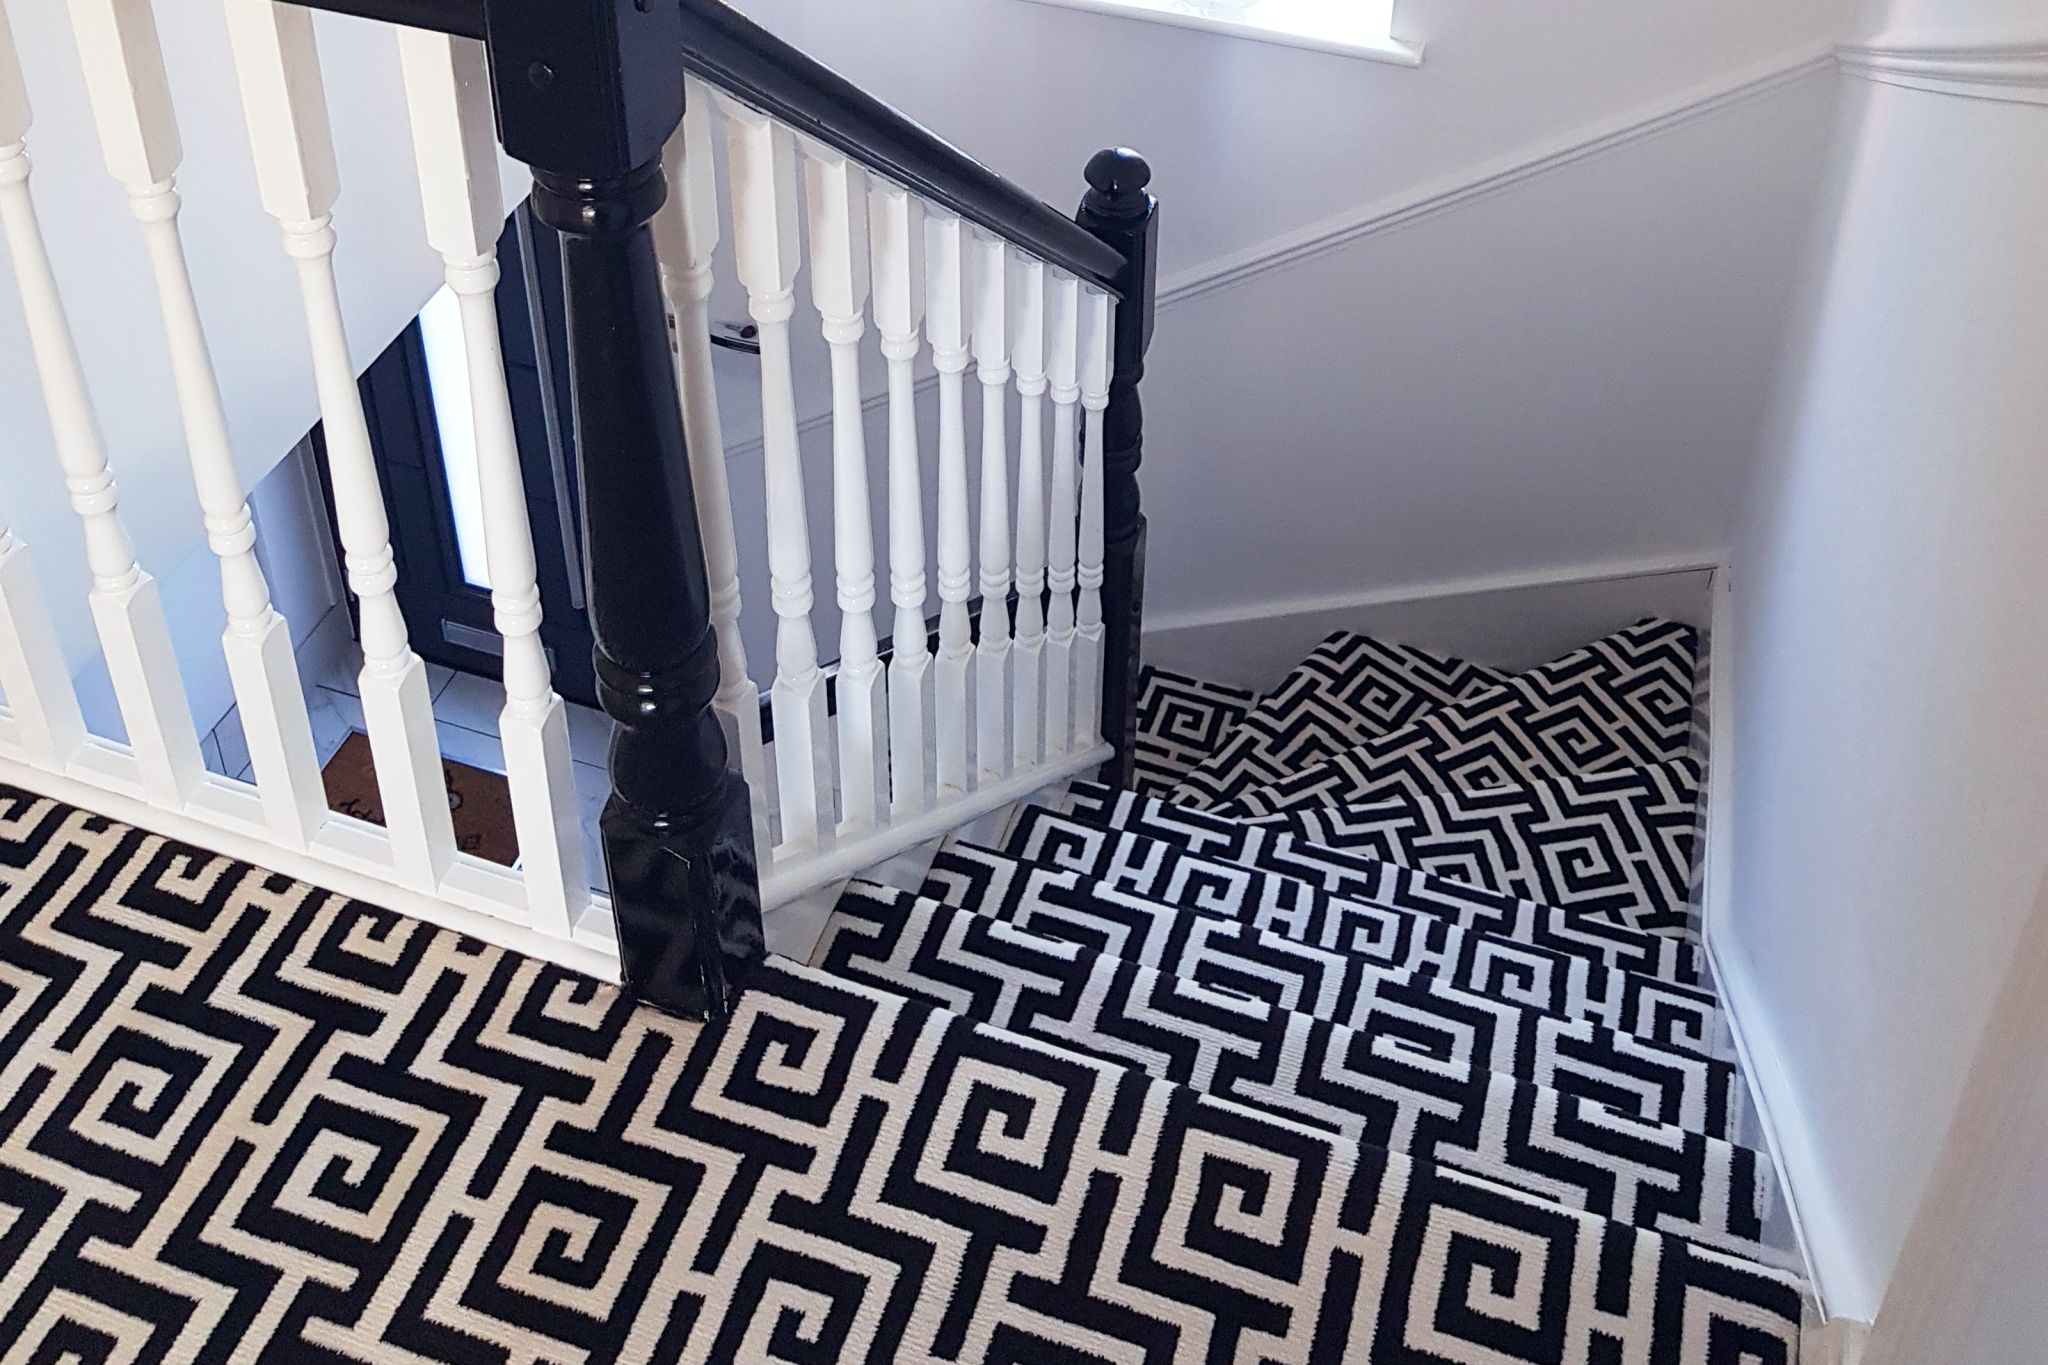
(1357, 28)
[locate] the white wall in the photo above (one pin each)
(1889, 746)
(247, 294)
(1251, 140)
(1969, 1282)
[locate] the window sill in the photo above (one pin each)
(1183, 14)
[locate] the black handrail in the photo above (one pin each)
(734, 53)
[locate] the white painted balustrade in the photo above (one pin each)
(915, 745)
(884, 747)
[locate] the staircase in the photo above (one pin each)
(1278, 1055)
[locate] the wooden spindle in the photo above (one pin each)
(126, 605)
(130, 93)
(761, 157)
(588, 96)
(1088, 626)
(1063, 370)
(896, 244)
(34, 682)
(448, 93)
(685, 238)
(837, 198)
(1120, 211)
(992, 367)
(285, 103)
(949, 310)
(1027, 354)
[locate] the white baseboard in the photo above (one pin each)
(1511, 620)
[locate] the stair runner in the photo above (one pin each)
(1306, 1050)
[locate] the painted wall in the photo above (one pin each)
(1252, 140)
(1889, 745)
(1969, 1281)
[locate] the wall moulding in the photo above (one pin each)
(2014, 70)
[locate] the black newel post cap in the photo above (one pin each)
(1117, 178)
(586, 89)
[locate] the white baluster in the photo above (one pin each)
(896, 242)
(762, 161)
(124, 75)
(1027, 353)
(839, 285)
(949, 308)
(992, 367)
(285, 103)
(448, 93)
(685, 236)
(33, 679)
(1095, 341)
(1063, 322)
(126, 606)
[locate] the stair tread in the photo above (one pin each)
(1180, 853)
(1132, 923)
(1614, 847)
(1623, 701)
(1036, 1197)
(1349, 689)
(1264, 973)
(1618, 844)
(1577, 1152)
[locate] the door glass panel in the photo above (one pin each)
(448, 376)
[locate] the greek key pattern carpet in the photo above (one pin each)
(1621, 702)
(1181, 720)
(1351, 688)
(1617, 844)
(1181, 871)
(1232, 975)
(244, 1119)
(1132, 925)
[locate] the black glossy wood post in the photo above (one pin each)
(588, 91)
(1119, 210)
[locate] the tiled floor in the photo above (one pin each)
(465, 714)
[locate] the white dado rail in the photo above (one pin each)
(885, 750)
(2012, 69)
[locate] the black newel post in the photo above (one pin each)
(1119, 211)
(588, 91)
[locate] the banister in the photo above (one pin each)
(724, 47)
(731, 51)
(461, 18)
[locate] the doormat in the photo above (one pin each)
(481, 802)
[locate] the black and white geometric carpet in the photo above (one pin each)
(1351, 688)
(1182, 722)
(1100, 1094)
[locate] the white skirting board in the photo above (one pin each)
(1512, 620)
